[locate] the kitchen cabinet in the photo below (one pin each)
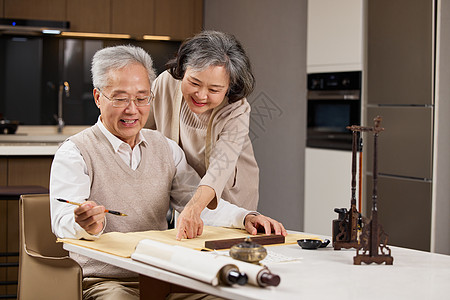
(3, 171)
(3, 226)
(400, 80)
(405, 170)
(3, 259)
(175, 18)
(178, 19)
(29, 170)
(404, 210)
(35, 9)
(400, 52)
(405, 147)
(89, 16)
(327, 186)
(335, 35)
(136, 17)
(1, 8)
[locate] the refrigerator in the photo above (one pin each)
(400, 80)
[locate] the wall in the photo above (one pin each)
(440, 230)
(274, 35)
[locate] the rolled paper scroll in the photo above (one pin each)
(187, 262)
(258, 275)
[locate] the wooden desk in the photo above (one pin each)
(319, 274)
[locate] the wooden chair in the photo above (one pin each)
(9, 235)
(45, 269)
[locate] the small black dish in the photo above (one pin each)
(8, 127)
(313, 244)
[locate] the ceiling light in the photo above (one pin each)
(96, 35)
(156, 37)
(51, 31)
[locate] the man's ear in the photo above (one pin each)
(96, 94)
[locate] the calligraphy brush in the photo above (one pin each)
(79, 204)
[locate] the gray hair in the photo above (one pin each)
(214, 48)
(118, 57)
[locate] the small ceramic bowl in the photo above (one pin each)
(313, 244)
(8, 127)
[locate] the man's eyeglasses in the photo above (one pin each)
(124, 102)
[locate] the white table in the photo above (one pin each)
(319, 274)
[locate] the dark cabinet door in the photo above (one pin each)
(35, 9)
(400, 52)
(135, 17)
(405, 147)
(404, 211)
(89, 16)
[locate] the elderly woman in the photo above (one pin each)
(200, 103)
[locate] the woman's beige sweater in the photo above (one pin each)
(218, 147)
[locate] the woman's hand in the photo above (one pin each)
(90, 217)
(189, 223)
(253, 224)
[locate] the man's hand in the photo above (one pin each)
(90, 217)
(253, 224)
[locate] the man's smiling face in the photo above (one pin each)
(124, 122)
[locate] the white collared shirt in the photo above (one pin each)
(131, 157)
(69, 164)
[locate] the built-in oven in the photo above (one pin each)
(334, 102)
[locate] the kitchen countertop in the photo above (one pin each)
(27, 149)
(30, 139)
(35, 140)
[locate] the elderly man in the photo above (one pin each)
(116, 164)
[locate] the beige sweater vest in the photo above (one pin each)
(142, 194)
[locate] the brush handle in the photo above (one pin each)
(115, 212)
(79, 204)
(67, 201)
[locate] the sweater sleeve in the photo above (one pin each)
(226, 150)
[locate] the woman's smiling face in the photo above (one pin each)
(206, 89)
